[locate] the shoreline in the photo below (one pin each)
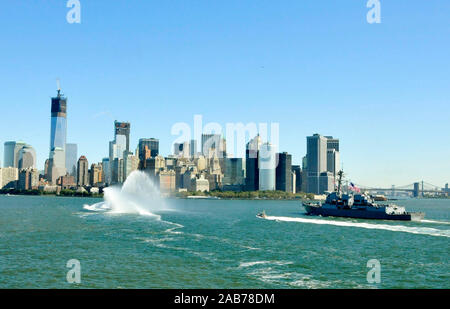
(214, 196)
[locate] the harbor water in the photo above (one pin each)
(216, 244)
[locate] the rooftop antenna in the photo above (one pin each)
(58, 87)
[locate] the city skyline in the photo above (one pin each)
(389, 120)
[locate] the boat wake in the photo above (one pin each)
(138, 195)
(386, 227)
(434, 221)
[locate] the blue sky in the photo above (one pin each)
(311, 66)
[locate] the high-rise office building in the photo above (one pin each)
(332, 143)
(304, 187)
(82, 172)
(213, 145)
(333, 162)
(193, 148)
(251, 164)
(123, 129)
(284, 172)
(167, 181)
(148, 148)
(117, 170)
(317, 161)
(56, 165)
(106, 170)
(130, 164)
(181, 149)
(333, 158)
(8, 154)
(118, 149)
(322, 163)
(95, 174)
(27, 157)
(8, 177)
(71, 158)
(58, 130)
(267, 165)
(233, 172)
(293, 181)
(58, 134)
(28, 179)
(296, 169)
(154, 165)
(12, 152)
(326, 182)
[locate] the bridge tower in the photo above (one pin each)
(416, 189)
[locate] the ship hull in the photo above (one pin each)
(361, 214)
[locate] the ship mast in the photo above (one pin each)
(340, 174)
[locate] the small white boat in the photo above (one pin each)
(262, 215)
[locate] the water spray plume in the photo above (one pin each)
(138, 195)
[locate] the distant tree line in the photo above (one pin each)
(270, 195)
(66, 192)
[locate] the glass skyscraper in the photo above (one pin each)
(12, 153)
(122, 133)
(267, 163)
(71, 159)
(58, 133)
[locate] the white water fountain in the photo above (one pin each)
(138, 195)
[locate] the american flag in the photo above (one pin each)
(354, 188)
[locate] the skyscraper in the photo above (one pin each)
(58, 133)
(333, 162)
(150, 145)
(326, 182)
(11, 154)
(27, 157)
(212, 145)
(233, 172)
(267, 164)
(123, 129)
(322, 163)
(316, 161)
(28, 179)
(56, 165)
(332, 143)
(193, 148)
(296, 169)
(284, 172)
(181, 149)
(83, 172)
(96, 174)
(251, 164)
(71, 158)
(130, 164)
(8, 177)
(118, 149)
(106, 170)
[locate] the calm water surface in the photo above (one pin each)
(217, 244)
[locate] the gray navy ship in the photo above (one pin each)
(359, 206)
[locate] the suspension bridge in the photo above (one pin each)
(417, 189)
